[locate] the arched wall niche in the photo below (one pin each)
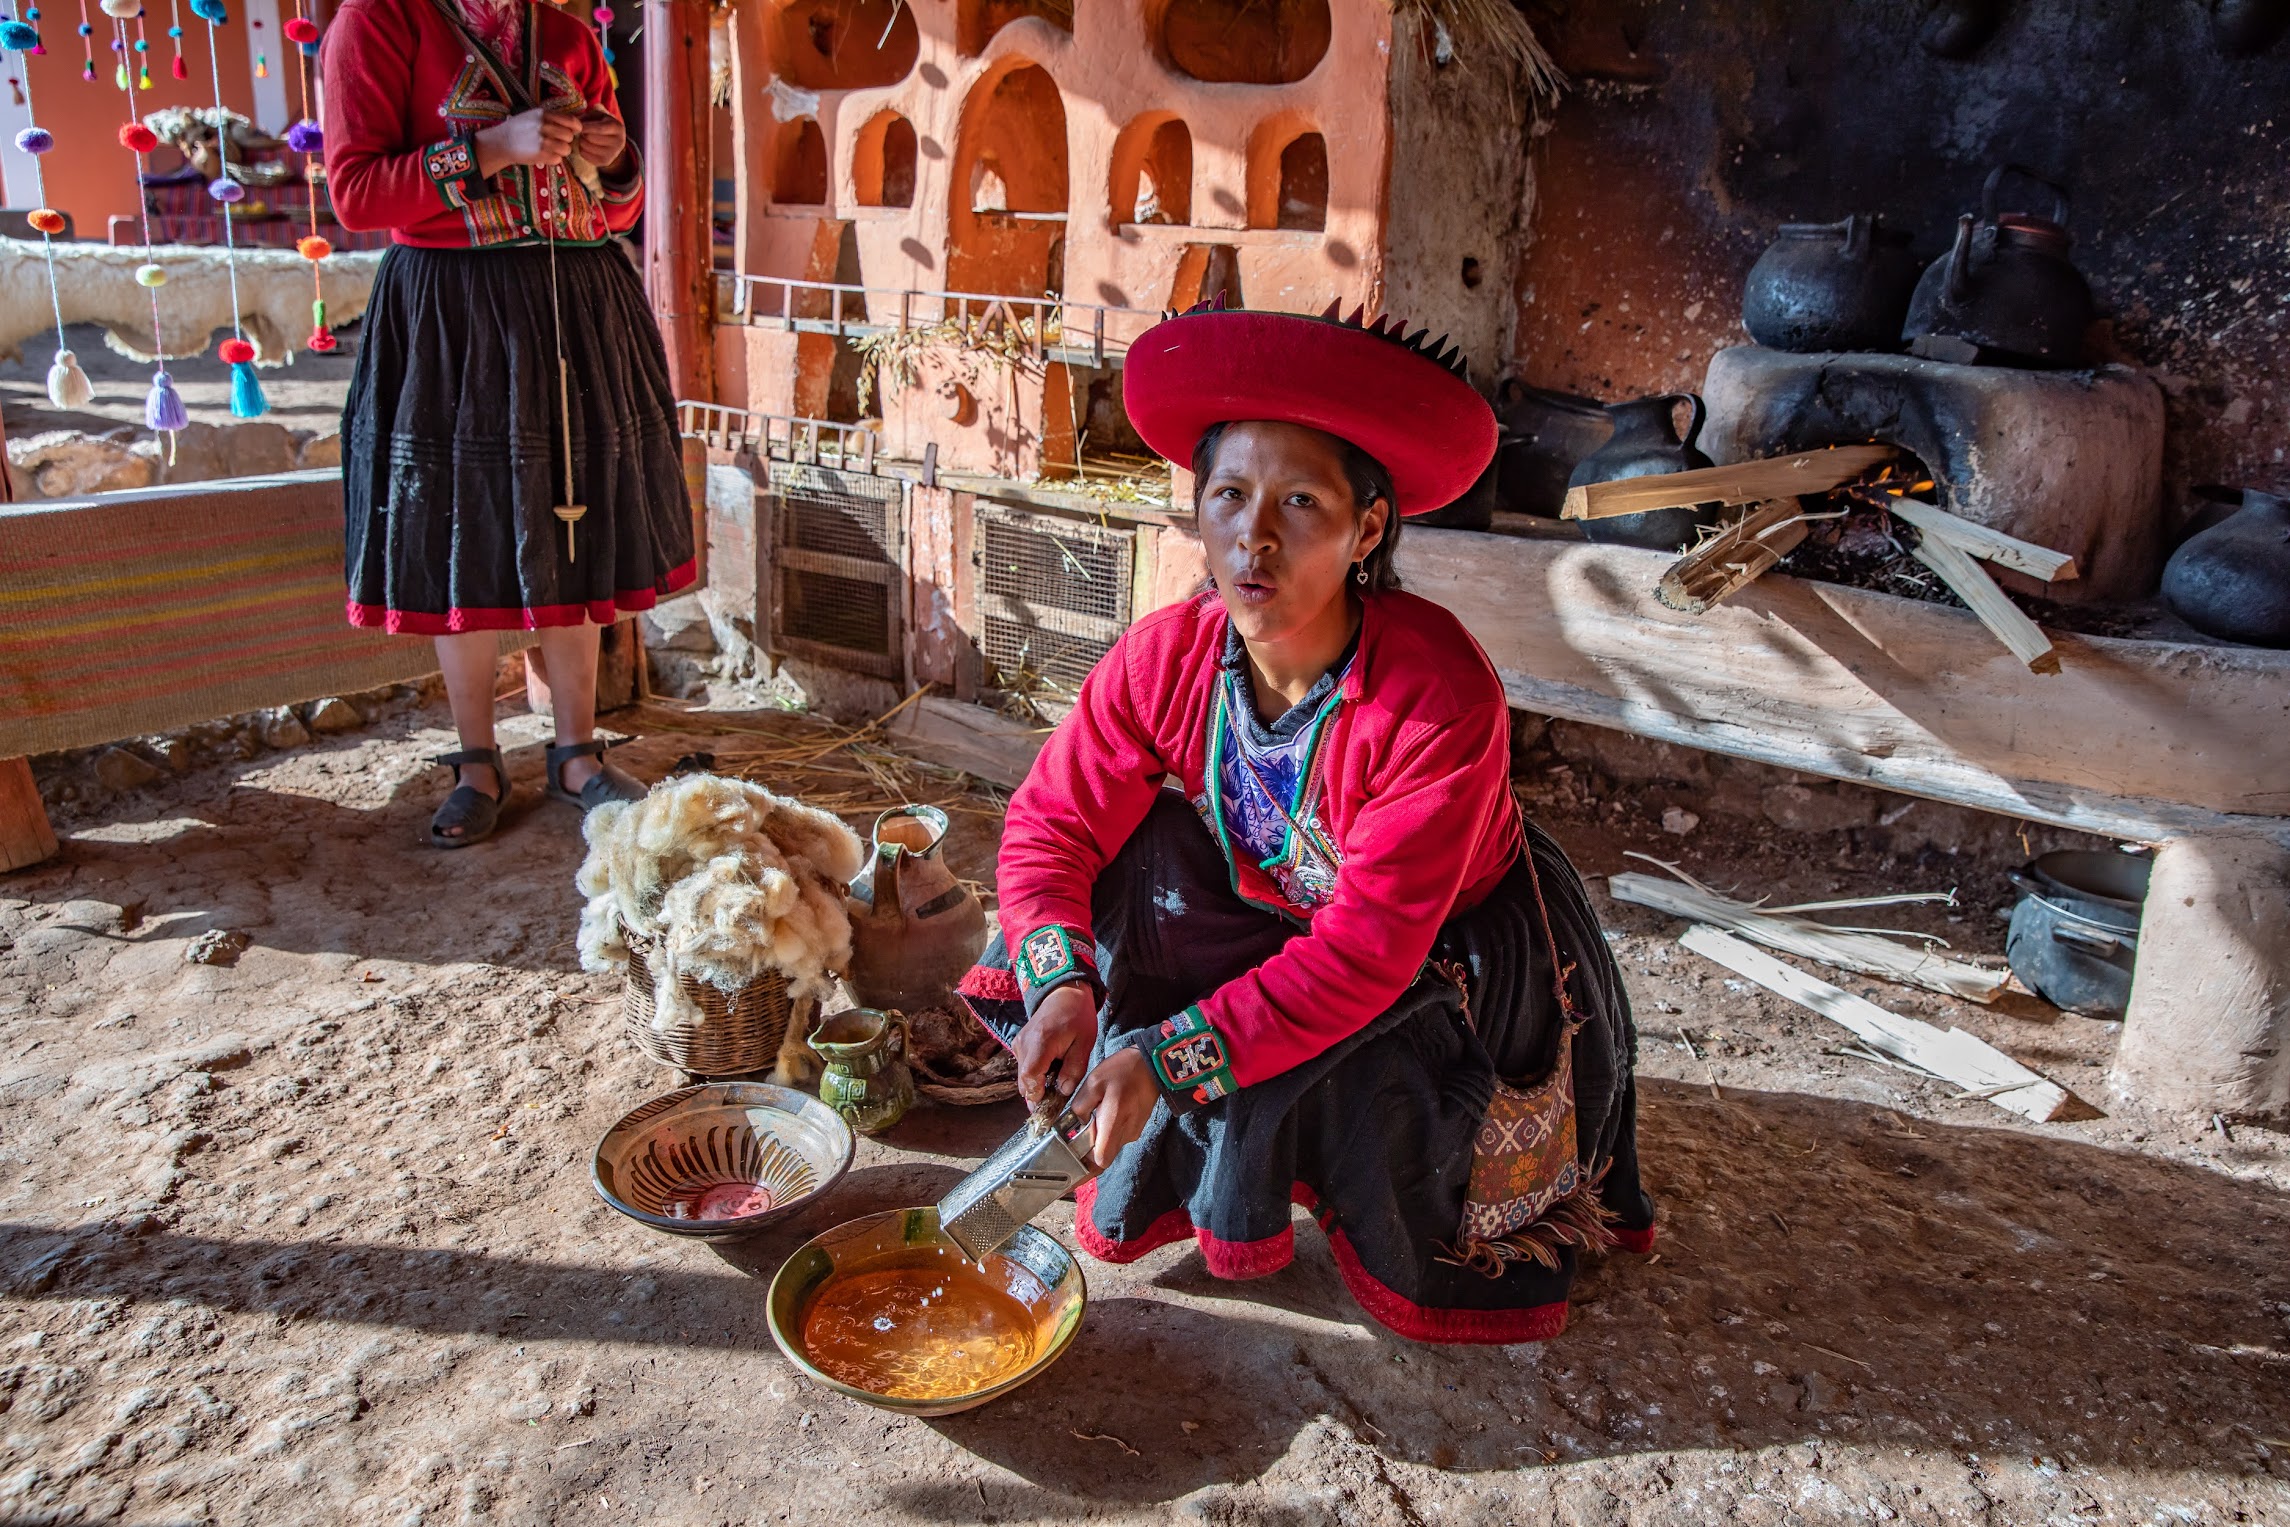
(884, 161)
(843, 44)
(1006, 205)
(1152, 173)
(1288, 175)
(1243, 42)
(976, 21)
(799, 164)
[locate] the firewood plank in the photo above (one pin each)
(1986, 544)
(1997, 612)
(1734, 558)
(1950, 1054)
(1743, 483)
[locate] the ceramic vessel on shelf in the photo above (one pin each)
(1026, 1306)
(1831, 286)
(1645, 443)
(867, 1080)
(722, 1159)
(2232, 581)
(915, 928)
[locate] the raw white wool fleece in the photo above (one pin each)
(728, 880)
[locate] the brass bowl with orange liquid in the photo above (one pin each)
(887, 1310)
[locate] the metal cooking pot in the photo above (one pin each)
(1831, 286)
(2075, 929)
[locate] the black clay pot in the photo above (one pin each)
(1959, 28)
(2247, 28)
(2232, 581)
(1831, 286)
(2075, 930)
(1645, 443)
(1545, 436)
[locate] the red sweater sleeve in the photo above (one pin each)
(1398, 882)
(1085, 795)
(375, 170)
(621, 192)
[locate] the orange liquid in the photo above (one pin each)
(929, 1332)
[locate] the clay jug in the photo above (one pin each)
(1645, 443)
(2232, 581)
(866, 1080)
(915, 929)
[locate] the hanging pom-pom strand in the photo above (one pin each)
(247, 401)
(223, 189)
(305, 138)
(35, 140)
(68, 386)
(121, 10)
(152, 276)
(313, 248)
(301, 29)
(19, 36)
(211, 11)
(135, 136)
(47, 220)
(163, 410)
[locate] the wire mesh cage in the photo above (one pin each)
(1053, 593)
(836, 568)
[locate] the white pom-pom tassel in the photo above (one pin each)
(68, 386)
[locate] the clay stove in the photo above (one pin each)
(2072, 460)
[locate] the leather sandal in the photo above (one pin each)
(610, 784)
(469, 808)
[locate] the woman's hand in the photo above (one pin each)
(1117, 1098)
(1063, 1029)
(602, 140)
(539, 137)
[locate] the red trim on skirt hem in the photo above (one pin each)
(531, 618)
(1389, 1309)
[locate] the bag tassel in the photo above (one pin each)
(68, 386)
(163, 410)
(1579, 1220)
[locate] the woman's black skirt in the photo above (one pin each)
(453, 445)
(1374, 1137)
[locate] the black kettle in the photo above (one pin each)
(1645, 443)
(2007, 286)
(1831, 286)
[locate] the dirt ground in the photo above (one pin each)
(310, 1237)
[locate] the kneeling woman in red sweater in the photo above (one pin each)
(1267, 885)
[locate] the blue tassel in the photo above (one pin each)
(247, 401)
(163, 410)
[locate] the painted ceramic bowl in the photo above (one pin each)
(722, 1159)
(1033, 1281)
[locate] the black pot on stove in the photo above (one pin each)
(2075, 929)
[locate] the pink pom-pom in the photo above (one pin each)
(302, 29)
(321, 341)
(602, 15)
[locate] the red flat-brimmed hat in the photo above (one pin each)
(1395, 395)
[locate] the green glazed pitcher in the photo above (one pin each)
(867, 1080)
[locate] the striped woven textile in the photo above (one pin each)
(139, 612)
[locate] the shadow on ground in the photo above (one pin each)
(1826, 1271)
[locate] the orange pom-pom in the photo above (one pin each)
(134, 135)
(235, 352)
(312, 247)
(321, 341)
(47, 220)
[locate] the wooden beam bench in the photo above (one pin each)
(2180, 745)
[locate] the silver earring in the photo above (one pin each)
(1360, 572)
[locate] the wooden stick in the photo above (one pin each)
(1745, 483)
(1988, 545)
(1869, 953)
(1972, 585)
(1731, 560)
(25, 836)
(1950, 1054)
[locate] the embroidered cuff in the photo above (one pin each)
(452, 168)
(1190, 1060)
(622, 186)
(1047, 959)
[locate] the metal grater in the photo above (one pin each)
(1033, 1169)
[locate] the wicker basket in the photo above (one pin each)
(738, 1032)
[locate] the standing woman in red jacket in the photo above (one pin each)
(484, 135)
(1268, 886)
